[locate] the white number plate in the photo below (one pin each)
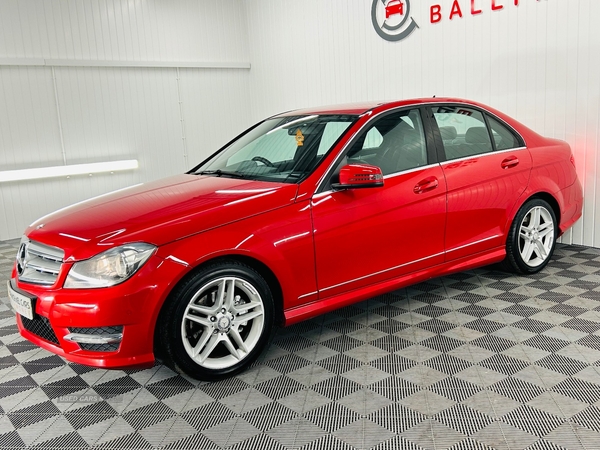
(20, 303)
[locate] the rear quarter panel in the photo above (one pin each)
(553, 173)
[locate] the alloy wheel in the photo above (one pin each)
(536, 236)
(223, 322)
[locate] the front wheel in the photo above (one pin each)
(217, 322)
(532, 238)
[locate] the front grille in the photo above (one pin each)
(40, 326)
(38, 263)
(99, 331)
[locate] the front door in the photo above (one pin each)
(365, 236)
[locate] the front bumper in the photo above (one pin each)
(130, 309)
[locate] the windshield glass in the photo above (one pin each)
(285, 149)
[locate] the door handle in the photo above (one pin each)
(509, 162)
(426, 185)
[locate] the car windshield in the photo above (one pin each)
(284, 149)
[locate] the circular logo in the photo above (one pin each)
(391, 19)
(223, 323)
(21, 255)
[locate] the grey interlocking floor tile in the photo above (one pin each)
(364, 402)
(590, 374)
(366, 375)
(427, 402)
(228, 433)
(476, 360)
(565, 437)
(363, 434)
(481, 376)
(296, 432)
(332, 416)
(492, 436)
(366, 353)
(540, 376)
(304, 401)
(246, 400)
(433, 434)
(418, 353)
(464, 419)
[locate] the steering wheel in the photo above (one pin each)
(263, 160)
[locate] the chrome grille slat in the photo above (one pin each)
(42, 265)
(47, 251)
(43, 256)
(38, 263)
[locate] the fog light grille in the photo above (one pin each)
(40, 326)
(110, 333)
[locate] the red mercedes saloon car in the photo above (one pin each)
(303, 213)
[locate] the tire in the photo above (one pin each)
(532, 238)
(216, 322)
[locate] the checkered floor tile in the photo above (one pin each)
(476, 360)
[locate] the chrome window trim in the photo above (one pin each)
(481, 155)
(418, 106)
(483, 110)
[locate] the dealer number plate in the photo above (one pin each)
(20, 303)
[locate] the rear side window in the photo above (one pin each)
(504, 138)
(463, 130)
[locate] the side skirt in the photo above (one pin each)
(328, 304)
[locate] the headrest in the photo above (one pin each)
(477, 135)
(448, 133)
(395, 136)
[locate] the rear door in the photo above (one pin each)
(486, 168)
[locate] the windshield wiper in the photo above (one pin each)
(220, 172)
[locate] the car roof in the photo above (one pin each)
(361, 108)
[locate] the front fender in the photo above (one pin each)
(282, 240)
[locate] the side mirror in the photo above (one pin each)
(355, 176)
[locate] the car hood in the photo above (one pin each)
(158, 212)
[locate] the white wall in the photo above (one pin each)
(69, 66)
(538, 62)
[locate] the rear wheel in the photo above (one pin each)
(532, 238)
(218, 321)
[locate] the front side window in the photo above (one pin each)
(284, 149)
(395, 143)
(463, 130)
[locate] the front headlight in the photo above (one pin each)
(110, 267)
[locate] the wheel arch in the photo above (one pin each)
(513, 261)
(542, 195)
(551, 200)
(264, 270)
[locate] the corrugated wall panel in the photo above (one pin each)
(203, 121)
(536, 61)
(113, 113)
(153, 30)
